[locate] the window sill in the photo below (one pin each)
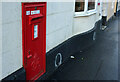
(88, 13)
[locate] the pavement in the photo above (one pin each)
(98, 62)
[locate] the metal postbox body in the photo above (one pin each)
(34, 39)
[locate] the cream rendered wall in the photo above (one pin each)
(115, 6)
(0, 41)
(11, 37)
(110, 10)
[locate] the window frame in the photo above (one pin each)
(87, 12)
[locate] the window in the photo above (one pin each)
(85, 7)
(79, 5)
(91, 4)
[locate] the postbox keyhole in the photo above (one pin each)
(29, 52)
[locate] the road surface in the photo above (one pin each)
(99, 62)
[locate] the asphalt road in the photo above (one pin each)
(99, 62)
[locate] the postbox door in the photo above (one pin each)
(34, 39)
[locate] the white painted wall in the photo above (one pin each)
(118, 5)
(59, 23)
(85, 23)
(59, 28)
(0, 41)
(11, 37)
(105, 8)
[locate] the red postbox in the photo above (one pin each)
(34, 39)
